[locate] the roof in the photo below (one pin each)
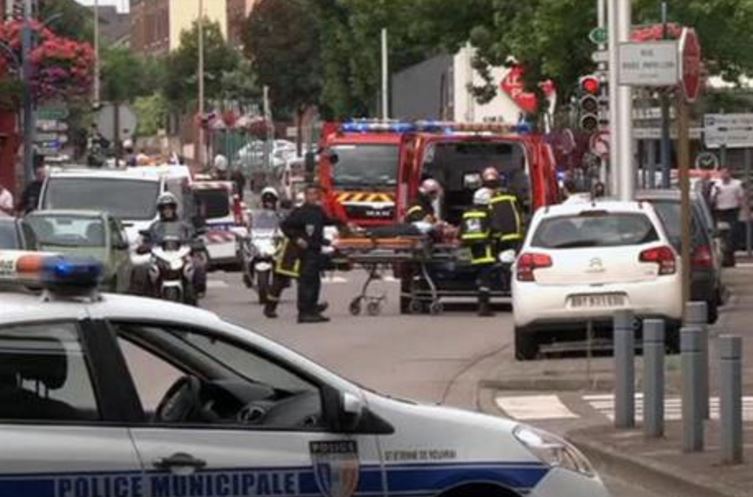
(20, 307)
(599, 205)
(101, 174)
(68, 212)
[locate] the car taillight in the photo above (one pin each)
(527, 262)
(663, 256)
(702, 257)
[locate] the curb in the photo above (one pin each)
(650, 474)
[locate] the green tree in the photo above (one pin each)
(68, 18)
(241, 84)
(181, 80)
(152, 112)
(282, 41)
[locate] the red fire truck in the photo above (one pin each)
(374, 168)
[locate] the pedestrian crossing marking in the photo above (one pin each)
(551, 407)
(533, 407)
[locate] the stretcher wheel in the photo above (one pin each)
(436, 308)
(355, 307)
(415, 306)
(373, 308)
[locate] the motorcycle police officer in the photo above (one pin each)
(476, 234)
(301, 258)
(269, 199)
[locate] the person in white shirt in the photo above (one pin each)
(727, 198)
(7, 207)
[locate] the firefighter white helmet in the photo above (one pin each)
(430, 186)
(220, 162)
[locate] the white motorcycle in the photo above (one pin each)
(258, 252)
(171, 271)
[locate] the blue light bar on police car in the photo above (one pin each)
(49, 270)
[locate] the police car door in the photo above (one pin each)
(225, 420)
(61, 433)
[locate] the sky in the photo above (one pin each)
(121, 4)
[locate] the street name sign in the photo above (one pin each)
(728, 130)
(653, 63)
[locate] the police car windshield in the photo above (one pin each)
(123, 198)
(365, 166)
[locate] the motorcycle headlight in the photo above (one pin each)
(553, 450)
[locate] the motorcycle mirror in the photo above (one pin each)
(507, 257)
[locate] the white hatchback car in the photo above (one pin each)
(583, 261)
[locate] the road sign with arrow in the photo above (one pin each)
(728, 130)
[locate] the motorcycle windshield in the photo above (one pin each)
(265, 221)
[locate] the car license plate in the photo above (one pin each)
(597, 300)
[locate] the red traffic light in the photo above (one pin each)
(590, 84)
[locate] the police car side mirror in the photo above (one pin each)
(351, 412)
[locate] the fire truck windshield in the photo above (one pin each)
(365, 166)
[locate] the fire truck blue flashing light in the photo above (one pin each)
(377, 127)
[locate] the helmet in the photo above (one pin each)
(220, 162)
(483, 196)
(430, 186)
(167, 199)
(269, 191)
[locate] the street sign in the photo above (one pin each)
(52, 112)
(655, 133)
(106, 125)
(707, 160)
(649, 63)
(599, 144)
(598, 36)
(49, 125)
(600, 56)
(690, 64)
(728, 130)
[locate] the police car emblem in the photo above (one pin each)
(309, 229)
(336, 467)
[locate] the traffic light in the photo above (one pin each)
(588, 105)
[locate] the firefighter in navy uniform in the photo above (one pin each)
(476, 234)
(301, 257)
(506, 219)
(423, 208)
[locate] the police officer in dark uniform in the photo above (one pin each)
(301, 257)
(476, 234)
(423, 208)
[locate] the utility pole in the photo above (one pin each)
(28, 98)
(385, 77)
(666, 144)
(614, 135)
(200, 145)
(601, 20)
(621, 21)
(97, 95)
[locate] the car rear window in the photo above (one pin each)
(594, 229)
(213, 203)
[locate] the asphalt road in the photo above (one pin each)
(436, 359)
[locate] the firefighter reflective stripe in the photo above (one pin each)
(475, 226)
(481, 253)
(287, 261)
(505, 218)
(369, 197)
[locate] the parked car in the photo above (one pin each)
(706, 262)
(582, 262)
(95, 234)
(15, 234)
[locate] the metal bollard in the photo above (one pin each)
(692, 420)
(696, 316)
(624, 366)
(653, 377)
(730, 402)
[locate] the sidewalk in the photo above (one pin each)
(566, 396)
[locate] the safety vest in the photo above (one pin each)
(475, 234)
(288, 260)
(506, 221)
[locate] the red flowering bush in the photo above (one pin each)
(62, 68)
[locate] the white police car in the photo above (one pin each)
(119, 396)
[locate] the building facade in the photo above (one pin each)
(150, 26)
(237, 13)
